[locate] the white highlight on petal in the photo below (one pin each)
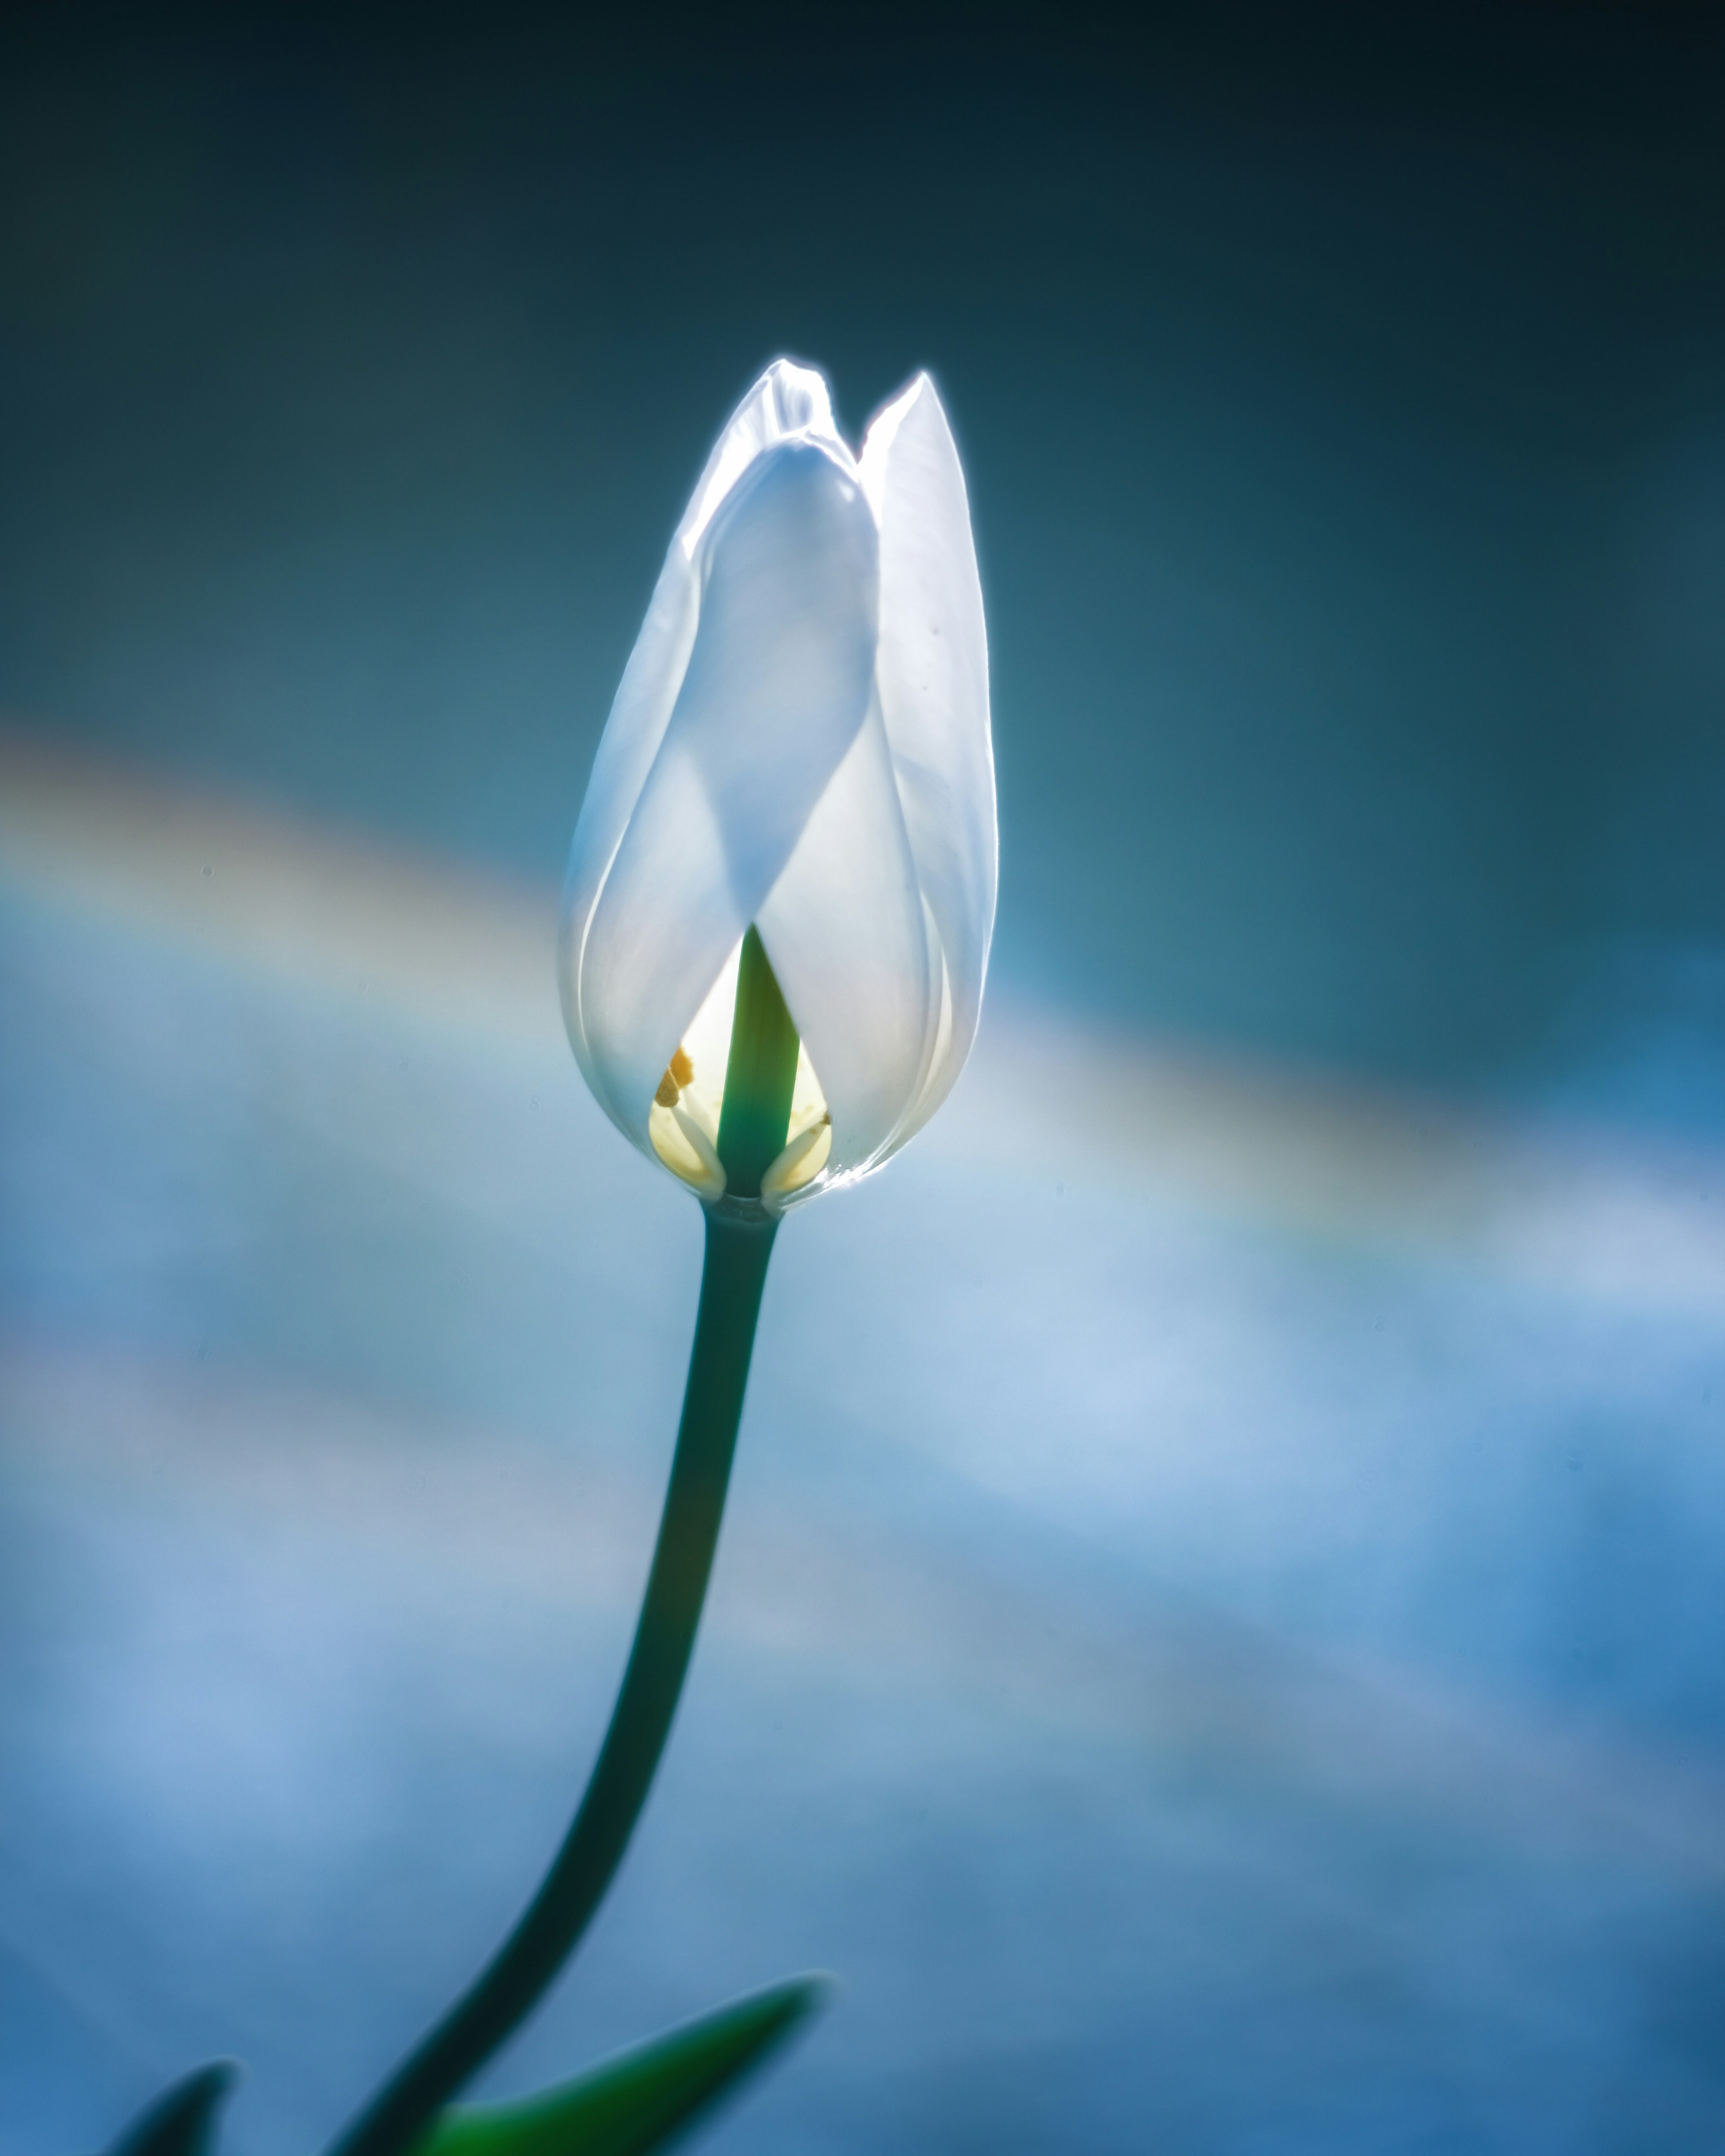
(931, 673)
(776, 687)
(787, 403)
(844, 928)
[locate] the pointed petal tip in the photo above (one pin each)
(805, 398)
(920, 395)
(787, 401)
(800, 372)
(904, 401)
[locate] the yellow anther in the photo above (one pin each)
(666, 1096)
(682, 1069)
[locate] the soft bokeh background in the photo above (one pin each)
(1217, 1640)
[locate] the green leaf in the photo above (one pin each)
(637, 2101)
(182, 2121)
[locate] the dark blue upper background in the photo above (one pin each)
(1343, 403)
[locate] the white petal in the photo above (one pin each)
(843, 928)
(787, 402)
(932, 674)
(777, 685)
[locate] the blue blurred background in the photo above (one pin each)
(1217, 1640)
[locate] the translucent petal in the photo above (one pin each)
(843, 928)
(932, 677)
(705, 1045)
(777, 685)
(787, 402)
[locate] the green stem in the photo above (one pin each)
(739, 1241)
(496, 2004)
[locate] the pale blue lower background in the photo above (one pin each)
(1202, 1681)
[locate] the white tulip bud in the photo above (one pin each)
(800, 744)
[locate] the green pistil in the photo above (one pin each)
(759, 1076)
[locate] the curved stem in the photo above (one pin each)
(732, 1281)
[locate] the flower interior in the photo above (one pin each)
(683, 1122)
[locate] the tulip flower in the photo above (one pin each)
(774, 933)
(800, 748)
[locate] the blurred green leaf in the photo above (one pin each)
(181, 2121)
(637, 2101)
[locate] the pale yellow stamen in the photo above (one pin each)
(801, 1160)
(712, 1181)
